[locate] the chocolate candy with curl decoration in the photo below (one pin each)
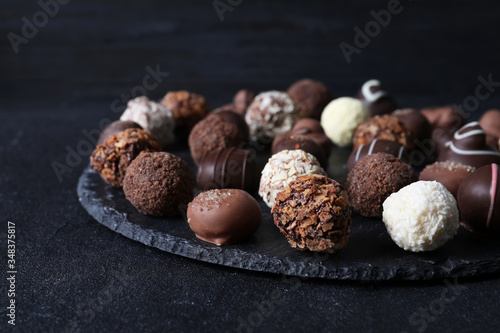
(376, 99)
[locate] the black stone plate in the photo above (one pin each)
(370, 254)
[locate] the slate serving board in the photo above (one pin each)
(370, 254)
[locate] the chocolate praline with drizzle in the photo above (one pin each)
(479, 201)
(378, 146)
(376, 99)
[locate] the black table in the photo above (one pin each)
(75, 275)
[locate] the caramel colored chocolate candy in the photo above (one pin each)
(381, 127)
(115, 127)
(224, 216)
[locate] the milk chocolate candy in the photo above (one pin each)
(378, 146)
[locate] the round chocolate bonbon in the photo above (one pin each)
(376, 99)
(311, 95)
(479, 201)
(448, 173)
(418, 125)
(378, 146)
(290, 142)
(115, 127)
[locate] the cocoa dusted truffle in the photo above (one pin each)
(230, 116)
(373, 179)
(158, 184)
(314, 214)
(112, 158)
(187, 109)
(381, 127)
(224, 216)
(271, 113)
(378, 146)
(448, 173)
(228, 168)
(490, 122)
(313, 130)
(242, 100)
(311, 95)
(479, 201)
(420, 129)
(212, 133)
(290, 142)
(376, 99)
(444, 120)
(469, 147)
(115, 127)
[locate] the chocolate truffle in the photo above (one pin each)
(314, 214)
(228, 168)
(341, 117)
(158, 184)
(479, 201)
(224, 216)
(282, 168)
(213, 133)
(422, 216)
(153, 117)
(469, 147)
(242, 100)
(233, 117)
(378, 146)
(313, 130)
(290, 142)
(271, 113)
(312, 96)
(112, 158)
(376, 99)
(444, 121)
(187, 109)
(420, 129)
(448, 173)
(373, 179)
(385, 127)
(115, 127)
(490, 123)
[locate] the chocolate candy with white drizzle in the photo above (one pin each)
(469, 147)
(376, 99)
(378, 146)
(479, 201)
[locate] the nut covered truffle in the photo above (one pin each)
(373, 179)
(224, 216)
(112, 158)
(158, 184)
(314, 214)
(115, 127)
(311, 95)
(271, 113)
(381, 127)
(422, 216)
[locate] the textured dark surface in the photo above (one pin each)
(74, 274)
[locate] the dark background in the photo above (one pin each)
(76, 275)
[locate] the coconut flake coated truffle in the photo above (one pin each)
(224, 216)
(373, 179)
(422, 216)
(112, 158)
(385, 127)
(311, 95)
(314, 214)
(153, 117)
(282, 168)
(341, 117)
(187, 109)
(271, 113)
(158, 184)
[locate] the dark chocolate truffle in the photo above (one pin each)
(420, 129)
(381, 127)
(314, 214)
(376, 99)
(158, 184)
(224, 216)
(112, 158)
(115, 127)
(374, 179)
(469, 147)
(228, 168)
(187, 109)
(479, 201)
(312, 96)
(242, 99)
(448, 173)
(213, 133)
(290, 142)
(232, 117)
(378, 146)
(444, 121)
(313, 130)
(490, 122)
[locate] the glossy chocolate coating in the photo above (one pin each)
(469, 147)
(313, 130)
(479, 201)
(376, 99)
(228, 168)
(115, 127)
(450, 174)
(378, 146)
(224, 216)
(445, 121)
(419, 126)
(292, 141)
